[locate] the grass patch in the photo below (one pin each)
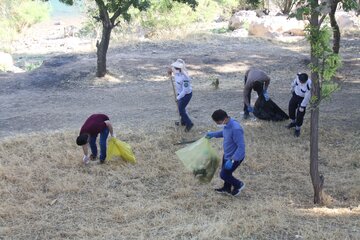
(47, 193)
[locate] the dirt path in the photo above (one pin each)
(63, 91)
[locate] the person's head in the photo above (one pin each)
(179, 65)
(82, 139)
(219, 116)
(303, 77)
(258, 87)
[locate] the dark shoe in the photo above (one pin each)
(102, 161)
(188, 128)
(92, 157)
(223, 190)
(237, 191)
(297, 133)
(177, 123)
(291, 125)
(246, 115)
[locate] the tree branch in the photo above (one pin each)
(104, 16)
(120, 10)
(97, 18)
(322, 19)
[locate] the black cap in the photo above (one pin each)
(303, 77)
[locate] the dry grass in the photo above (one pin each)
(46, 193)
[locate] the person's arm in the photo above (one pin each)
(293, 84)
(246, 95)
(238, 138)
(170, 70)
(110, 127)
(307, 96)
(85, 149)
(218, 134)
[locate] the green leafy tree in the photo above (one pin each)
(324, 64)
(329, 7)
(108, 13)
(347, 6)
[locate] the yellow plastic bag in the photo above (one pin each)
(119, 149)
(200, 158)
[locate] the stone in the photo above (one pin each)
(6, 62)
(241, 19)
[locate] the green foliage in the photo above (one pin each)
(162, 15)
(329, 62)
(17, 15)
(28, 13)
(254, 3)
(349, 5)
(29, 66)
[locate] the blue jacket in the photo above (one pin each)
(234, 144)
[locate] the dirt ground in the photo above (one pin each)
(63, 91)
(46, 193)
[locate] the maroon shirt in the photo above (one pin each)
(94, 124)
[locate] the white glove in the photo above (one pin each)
(301, 109)
(86, 160)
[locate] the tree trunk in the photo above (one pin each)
(317, 180)
(102, 48)
(335, 27)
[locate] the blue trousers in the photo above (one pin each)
(229, 179)
(103, 136)
(182, 103)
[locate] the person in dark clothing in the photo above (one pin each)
(301, 94)
(257, 80)
(234, 151)
(95, 124)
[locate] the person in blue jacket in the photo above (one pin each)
(234, 151)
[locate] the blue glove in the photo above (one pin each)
(266, 95)
(209, 135)
(228, 164)
(250, 109)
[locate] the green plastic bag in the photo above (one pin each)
(200, 158)
(119, 149)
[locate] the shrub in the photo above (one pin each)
(17, 15)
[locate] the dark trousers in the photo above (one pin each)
(103, 136)
(294, 105)
(258, 88)
(182, 103)
(229, 179)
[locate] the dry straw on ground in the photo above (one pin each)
(47, 193)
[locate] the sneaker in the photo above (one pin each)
(92, 157)
(223, 190)
(297, 132)
(188, 128)
(102, 161)
(177, 123)
(291, 125)
(86, 161)
(246, 116)
(237, 191)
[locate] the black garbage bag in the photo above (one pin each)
(268, 110)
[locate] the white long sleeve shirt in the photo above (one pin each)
(302, 90)
(183, 85)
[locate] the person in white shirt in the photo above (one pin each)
(183, 89)
(301, 94)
